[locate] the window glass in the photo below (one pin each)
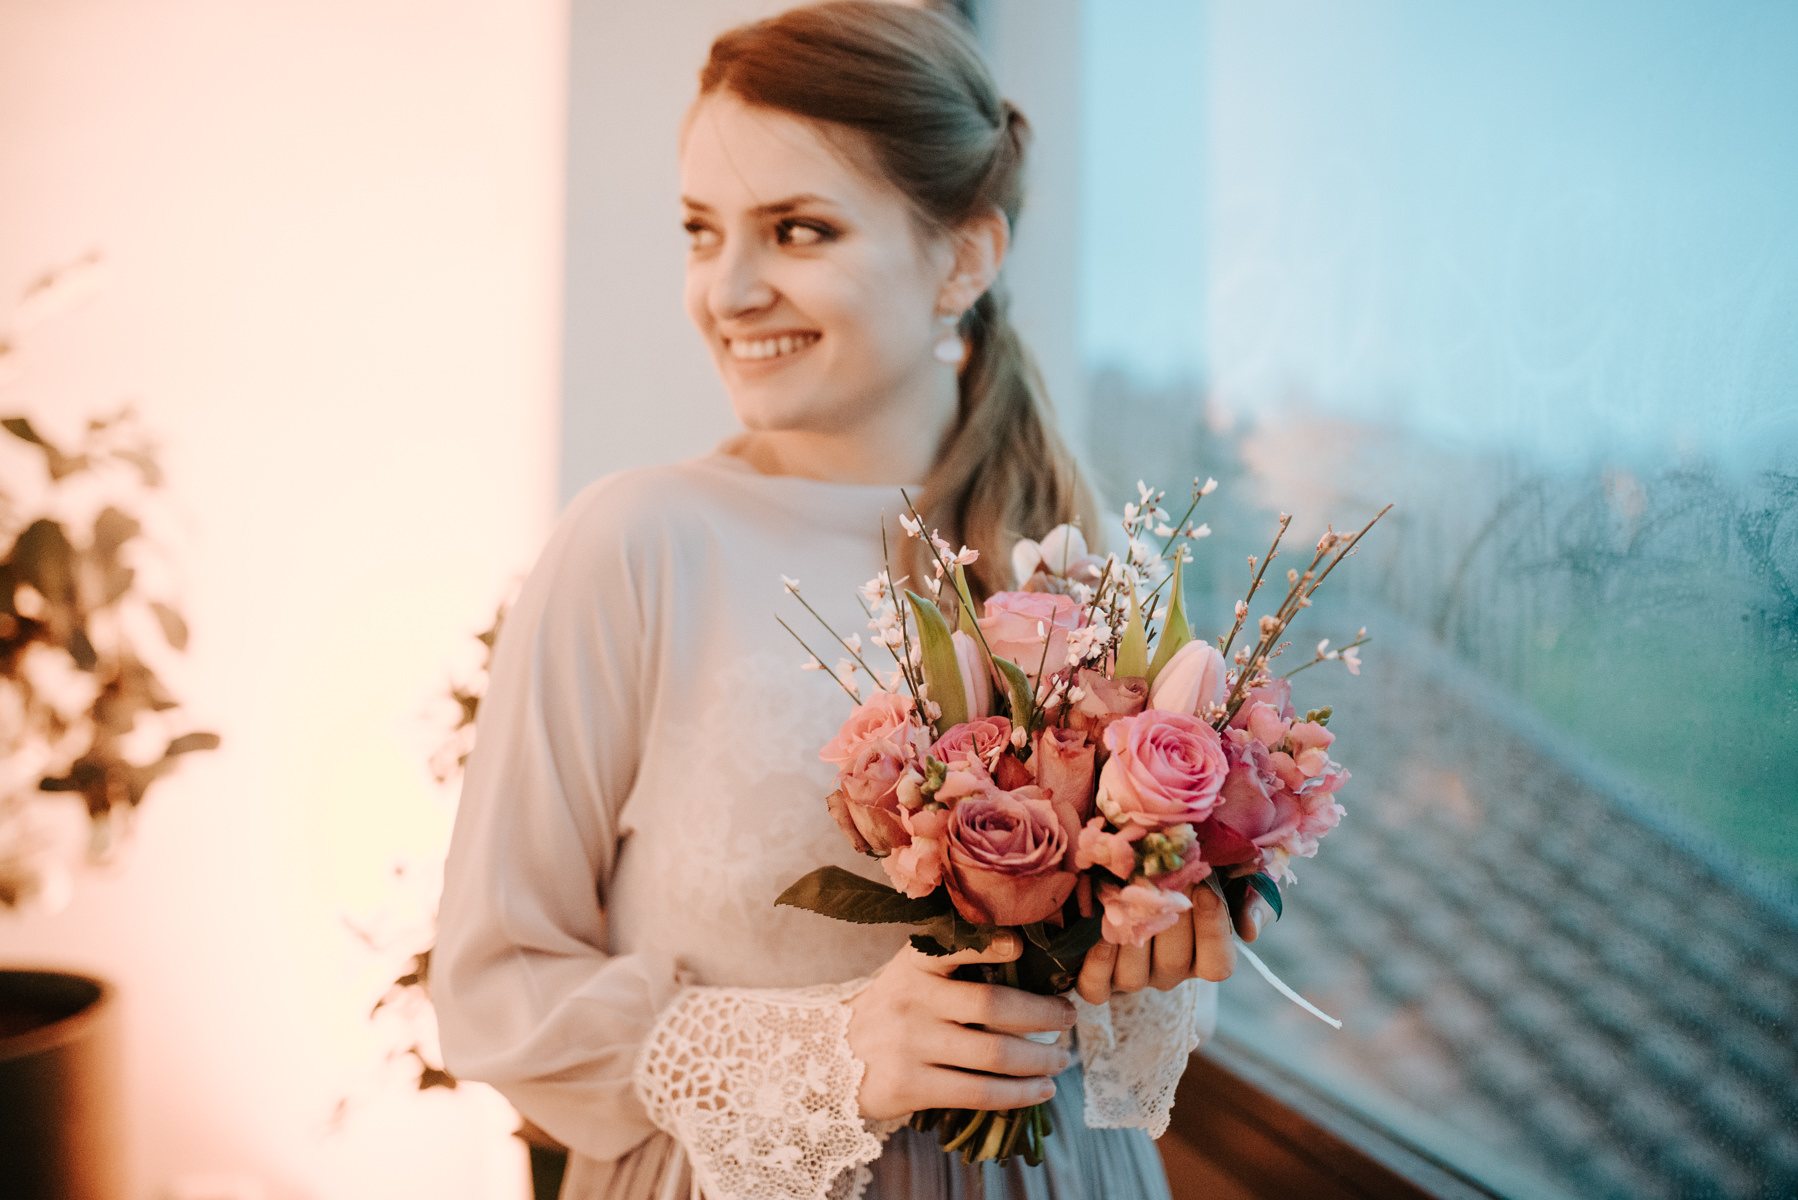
(1529, 272)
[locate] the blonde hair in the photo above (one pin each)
(912, 86)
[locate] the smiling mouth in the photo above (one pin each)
(755, 349)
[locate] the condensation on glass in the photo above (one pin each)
(1530, 273)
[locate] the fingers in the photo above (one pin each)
(939, 1087)
(1005, 1009)
(1251, 918)
(1003, 948)
(965, 1049)
(1170, 954)
(1094, 983)
(1213, 952)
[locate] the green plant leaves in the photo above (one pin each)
(1023, 699)
(834, 892)
(1175, 631)
(1133, 649)
(950, 932)
(942, 672)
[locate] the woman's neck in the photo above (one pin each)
(897, 447)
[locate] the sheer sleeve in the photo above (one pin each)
(527, 997)
(1134, 1050)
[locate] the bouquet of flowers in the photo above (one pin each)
(1044, 762)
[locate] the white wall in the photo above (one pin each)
(637, 384)
(334, 231)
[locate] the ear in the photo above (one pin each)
(980, 245)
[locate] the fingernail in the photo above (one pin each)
(1048, 1090)
(1005, 943)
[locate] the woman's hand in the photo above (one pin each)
(1197, 947)
(929, 1041)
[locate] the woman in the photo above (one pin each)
(646, 781)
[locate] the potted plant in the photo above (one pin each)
(86, 727)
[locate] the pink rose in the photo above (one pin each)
(1063, 763)
(1005, 858)
(870, 787)
(976, 682)
(884, 715)
(1137, 912)
(1016, 624)
(1190, 680)
(917, 868)
(1165, 769)
(1103, 701)
(1255, 813)
(1097, 848)
(973, 742)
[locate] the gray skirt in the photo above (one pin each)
(1078, 1163)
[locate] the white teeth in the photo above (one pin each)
(772, 347)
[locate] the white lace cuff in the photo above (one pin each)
(1133, 1051)
(759, 1088)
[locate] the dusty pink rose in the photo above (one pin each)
(1063, 763)
(1255, 812)
(1098, 848)
(1190, 680)
(1017, 623)
(870, 787)
(1137, 912)
(917, 868)
(1165, 769)
(1103, 701)
(884, 715)
(976, 680)
(1005, 858)
(976, 742)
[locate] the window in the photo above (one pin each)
(1530, 272)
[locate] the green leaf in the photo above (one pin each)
(966, 623)
(1023, 699)
(44, 558)
(942, 673)
(1175, 632)
(949, 932)
(1268, 890)
(1133, 649)
(834, 892)
(188, 743)
(1069, 944)
(173, 627)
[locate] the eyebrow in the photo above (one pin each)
(774, 209)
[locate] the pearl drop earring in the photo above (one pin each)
(950, 348)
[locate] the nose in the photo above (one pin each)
(739, 284)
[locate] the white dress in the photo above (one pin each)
(645, 783)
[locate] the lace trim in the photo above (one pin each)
(759, 1088)
(1134, 1050)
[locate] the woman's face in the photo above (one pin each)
(807, 277)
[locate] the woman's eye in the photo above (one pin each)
(700, 235)
(804, 233)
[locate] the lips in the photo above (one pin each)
(780, 345)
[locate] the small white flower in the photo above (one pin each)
(1019, 737)
(1351, 658)
(1164, 530)
(1210, 486)
(1076, 694)
(791, 584)
(933, 710)
(854, 642)
(1322, 646)
(1145, 491)
(811, 664)
(1198, 531)
(911, 526)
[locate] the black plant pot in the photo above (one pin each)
(60, 1127)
